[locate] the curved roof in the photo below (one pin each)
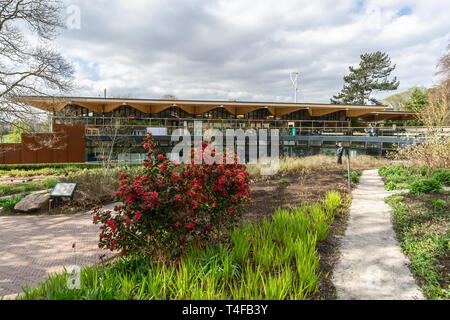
(49, 103)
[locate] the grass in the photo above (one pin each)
(422, 224)
(315, 162)
(275, 259)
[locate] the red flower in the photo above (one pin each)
(178, 197)
(123, 175)
(138, 215)
(154, 195)
(190, 225)
(177, 224)
(208, 227)
(160, 156)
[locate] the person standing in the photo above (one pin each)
(339, 152)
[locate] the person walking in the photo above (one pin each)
(339, 152)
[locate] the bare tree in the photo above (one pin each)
(30, 67)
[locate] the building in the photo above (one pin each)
(115, 127)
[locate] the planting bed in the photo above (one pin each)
(268, 194)
(422, 224)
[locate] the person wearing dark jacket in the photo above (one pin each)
(339, 152)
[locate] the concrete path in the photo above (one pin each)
(372, 265)
(33, 246)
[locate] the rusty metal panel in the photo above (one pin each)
(66, 144)
(28, 149)
(76, 143)
(10, 153)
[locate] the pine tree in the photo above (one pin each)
(371, 75)
(417, 101)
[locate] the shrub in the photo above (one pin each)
(170, 205)
(432, 153)
(442, 175)
(425, 186)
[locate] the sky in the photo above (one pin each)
(245, 50)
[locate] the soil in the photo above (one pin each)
(270, 194)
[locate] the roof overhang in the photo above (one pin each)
(52, 104)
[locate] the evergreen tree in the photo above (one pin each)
(417, 101)
(371, 75)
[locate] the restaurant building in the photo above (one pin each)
(114, 127)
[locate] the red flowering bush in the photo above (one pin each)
(172, 205)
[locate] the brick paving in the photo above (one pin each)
(31, 247)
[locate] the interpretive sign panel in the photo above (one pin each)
(64, 189)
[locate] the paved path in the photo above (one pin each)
(33, 246)
(372, 265)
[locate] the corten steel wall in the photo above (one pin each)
(10, 152)
(65, 145)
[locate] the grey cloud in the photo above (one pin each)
(211, 50)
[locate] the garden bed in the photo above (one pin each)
(299, 189)
(421, 220)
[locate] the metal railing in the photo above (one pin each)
(107, 126)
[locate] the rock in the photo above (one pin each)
(33, 202)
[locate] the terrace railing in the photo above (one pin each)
(106, 126)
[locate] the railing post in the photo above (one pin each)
(348, 170)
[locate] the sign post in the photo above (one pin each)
(348, 170)
(63, 190)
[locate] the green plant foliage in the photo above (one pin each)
(423, 234)
(10, 202)
(275, 259)
(49, 182)
(442, 175)
(354, 175)
(425, 186)
(26, 187)
(398, 177)
(439, 204)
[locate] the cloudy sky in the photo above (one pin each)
(245, 50)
